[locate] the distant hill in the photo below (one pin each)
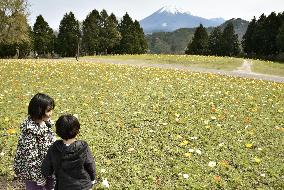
(175, 42)
(171, 42)
(240, 26)
(170, 18)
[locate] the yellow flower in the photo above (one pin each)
(11, 131)
(256, 159)
(179, 136)
(224, 163)
(187, 154)
(249, 145)
(108, 162)
(183, 143)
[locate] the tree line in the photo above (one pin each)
(219, 43)
(264, 38)
(99, 33)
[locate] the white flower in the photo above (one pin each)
(2, 154)
(198, 151)
(212, 164)
(221, 144)
(185, 176)
(262, 175)
(103, 170)
(105, 183)
(190, 150)
(193, 138)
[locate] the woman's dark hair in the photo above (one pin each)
(39, 104)
(67, 126)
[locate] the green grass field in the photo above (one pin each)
(210, 62)
(150, 128)
(268, 67)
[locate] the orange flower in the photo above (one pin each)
(247, 120)
(217, 178)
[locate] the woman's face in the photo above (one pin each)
(47, 115)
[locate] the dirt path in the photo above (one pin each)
(243, 71)
(245, 68)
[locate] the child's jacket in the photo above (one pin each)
(73, 165)
(33, 144)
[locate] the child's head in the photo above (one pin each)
(67, 126)
(41, 106)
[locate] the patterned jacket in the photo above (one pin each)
(33, 144)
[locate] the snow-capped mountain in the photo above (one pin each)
(170, 18)
(172, 10)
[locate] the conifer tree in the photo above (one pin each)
(114, 36)
(127, 37)
(68, 36)
(280, 39)
(247, 41)
(43, 37)
(103, 35)
(139, 42)
(214, 42)
(91, 32)
(199, 43)
(271, 27)
(258, 37)
(229, 43)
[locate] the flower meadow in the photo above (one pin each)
(151, 128)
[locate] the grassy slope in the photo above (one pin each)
(211, 62)
(141, 123)
(268, 67)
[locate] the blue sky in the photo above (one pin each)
(53, 10)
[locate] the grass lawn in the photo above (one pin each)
(268, 67)
(150, 128)
(211, 62)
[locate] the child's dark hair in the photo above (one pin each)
(39, 104)
(67, 126)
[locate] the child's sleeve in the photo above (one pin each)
(90, 165)
(46, 166)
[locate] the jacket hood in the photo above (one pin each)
(73, 154)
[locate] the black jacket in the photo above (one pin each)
(73, 165)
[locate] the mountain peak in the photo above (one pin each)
(172, 9)
(170, 18)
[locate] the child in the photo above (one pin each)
(35, 139)
(70, 159)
